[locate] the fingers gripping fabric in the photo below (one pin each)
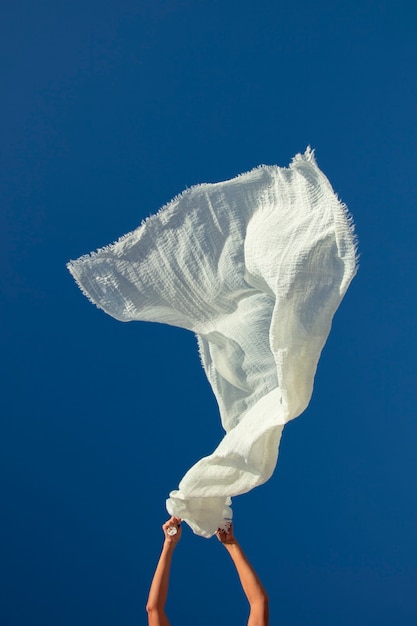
(256, 267)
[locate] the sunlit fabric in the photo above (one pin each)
(256, 266)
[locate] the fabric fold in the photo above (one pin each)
(256, 267)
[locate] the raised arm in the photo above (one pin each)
(155, 606)
(252, 586)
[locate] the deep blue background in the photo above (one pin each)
(108, 110)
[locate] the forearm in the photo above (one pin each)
(251, 584)
(159, 587)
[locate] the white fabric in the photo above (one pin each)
(256, 266)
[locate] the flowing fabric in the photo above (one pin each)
(256, 267)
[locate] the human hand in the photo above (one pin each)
(226, 535)
(174, 523)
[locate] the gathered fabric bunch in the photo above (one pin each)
(256, 267)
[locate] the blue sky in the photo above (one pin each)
(110, 109)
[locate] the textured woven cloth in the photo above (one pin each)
(256, 266)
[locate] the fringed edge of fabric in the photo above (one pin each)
(71, 265)
(307, 156)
